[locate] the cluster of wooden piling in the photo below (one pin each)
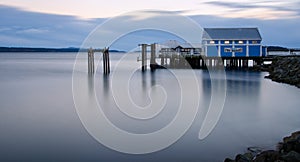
(153, 64)
(91, 61)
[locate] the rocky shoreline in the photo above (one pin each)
(285, 70)
(287, 151)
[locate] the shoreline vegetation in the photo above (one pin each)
(288, 150)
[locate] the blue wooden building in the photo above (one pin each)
(232, 42)
(229, 47)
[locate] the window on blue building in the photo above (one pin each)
(238, 50)
(227, 50)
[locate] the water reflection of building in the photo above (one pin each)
(242, 87)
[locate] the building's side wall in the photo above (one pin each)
(225, 52)
(264, 51)
(254, 41)
(212, 51)
(254, 50)
(240, 50)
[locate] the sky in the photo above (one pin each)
(67, 23)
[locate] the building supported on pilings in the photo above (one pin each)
(230, 47)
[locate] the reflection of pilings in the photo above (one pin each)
(91, 68)
(106, 84)
(106, 64)
(203, 62)
(91, 84)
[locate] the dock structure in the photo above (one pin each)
(232, 48)
(203, 62)
(91, 60)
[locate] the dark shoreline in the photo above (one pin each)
(288, 150)
(285, 70)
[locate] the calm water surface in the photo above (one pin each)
(38, 119)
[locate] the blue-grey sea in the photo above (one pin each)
(39, 120)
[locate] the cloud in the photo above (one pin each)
(32, 29)
(230, 5)
(40, 29)
(259, 9)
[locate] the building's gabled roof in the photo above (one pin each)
(231, 34)
(189, 45)
(171, 44)
(175, 44)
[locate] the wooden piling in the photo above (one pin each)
(106, 62)
(144, 56)
(245, 63)
(204, 63)
(153, 64)
(91, 68)
(162, 61)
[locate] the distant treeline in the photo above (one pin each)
(28, 49)
(278, 48)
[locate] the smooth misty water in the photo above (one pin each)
(38, 119)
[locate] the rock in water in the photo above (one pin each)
(287, 151)
(292, 156)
